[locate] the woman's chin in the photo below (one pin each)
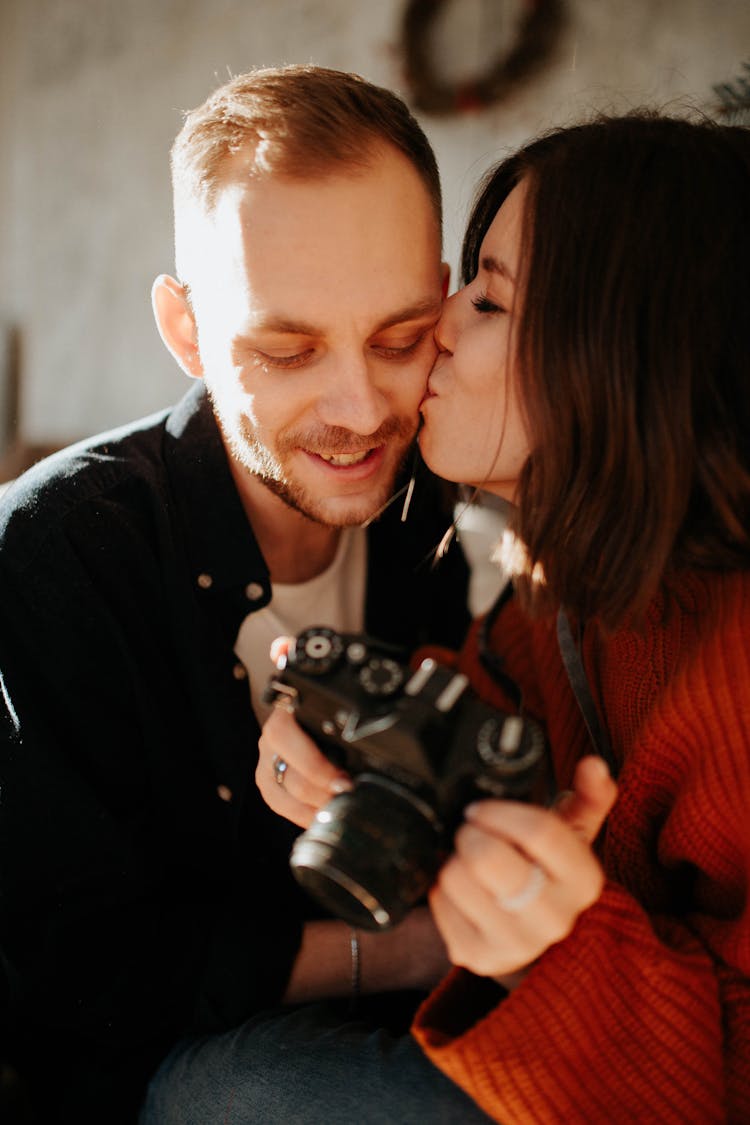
(430, 450)
(436, 456)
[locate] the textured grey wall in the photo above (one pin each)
(91, 95)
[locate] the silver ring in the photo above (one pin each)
(279, 769)
(514, 904)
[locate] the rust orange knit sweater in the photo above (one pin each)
(642, 1014)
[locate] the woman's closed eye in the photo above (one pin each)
(483, 304)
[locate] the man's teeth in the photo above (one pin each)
(345, 458)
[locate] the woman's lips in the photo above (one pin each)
(429, 393)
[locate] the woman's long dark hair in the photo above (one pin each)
(634, 355)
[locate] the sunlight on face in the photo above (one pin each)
(315, 304)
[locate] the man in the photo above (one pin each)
(145, 891)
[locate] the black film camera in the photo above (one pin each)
(419, 745)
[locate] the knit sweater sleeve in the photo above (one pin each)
(643, 1012)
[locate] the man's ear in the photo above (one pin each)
(445, 272)
(176, 324)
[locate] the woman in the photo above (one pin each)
(595, 370)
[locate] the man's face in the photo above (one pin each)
(315, 312)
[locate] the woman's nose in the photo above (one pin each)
(445, 329)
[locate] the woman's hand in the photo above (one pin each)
(520, 875)
(308, 782)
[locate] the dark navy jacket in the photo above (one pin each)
(135, 904)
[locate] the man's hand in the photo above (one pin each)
(310, 780)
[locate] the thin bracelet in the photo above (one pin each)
(356, 970)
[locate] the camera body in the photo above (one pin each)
(418, 744)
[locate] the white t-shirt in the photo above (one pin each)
(335, 598)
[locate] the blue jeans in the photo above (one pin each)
(304, 1066)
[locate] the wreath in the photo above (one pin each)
(536, 35)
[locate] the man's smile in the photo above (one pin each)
(345, 458)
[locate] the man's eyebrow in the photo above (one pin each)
(496, 265)
(430, 307)
(284, 326)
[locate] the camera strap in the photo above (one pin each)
(571, 658)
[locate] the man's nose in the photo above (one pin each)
(354, 400)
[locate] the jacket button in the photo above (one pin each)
(254, 591)
(204, 581)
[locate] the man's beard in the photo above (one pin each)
(268, 467)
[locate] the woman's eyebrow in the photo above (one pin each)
(496, 265)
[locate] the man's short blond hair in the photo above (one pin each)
(297, 122)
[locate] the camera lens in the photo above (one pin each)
(370, 854)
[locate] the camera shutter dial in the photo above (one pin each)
(381, 676)
(501, 743)
(317, 651)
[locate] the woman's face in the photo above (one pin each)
(473, 430)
